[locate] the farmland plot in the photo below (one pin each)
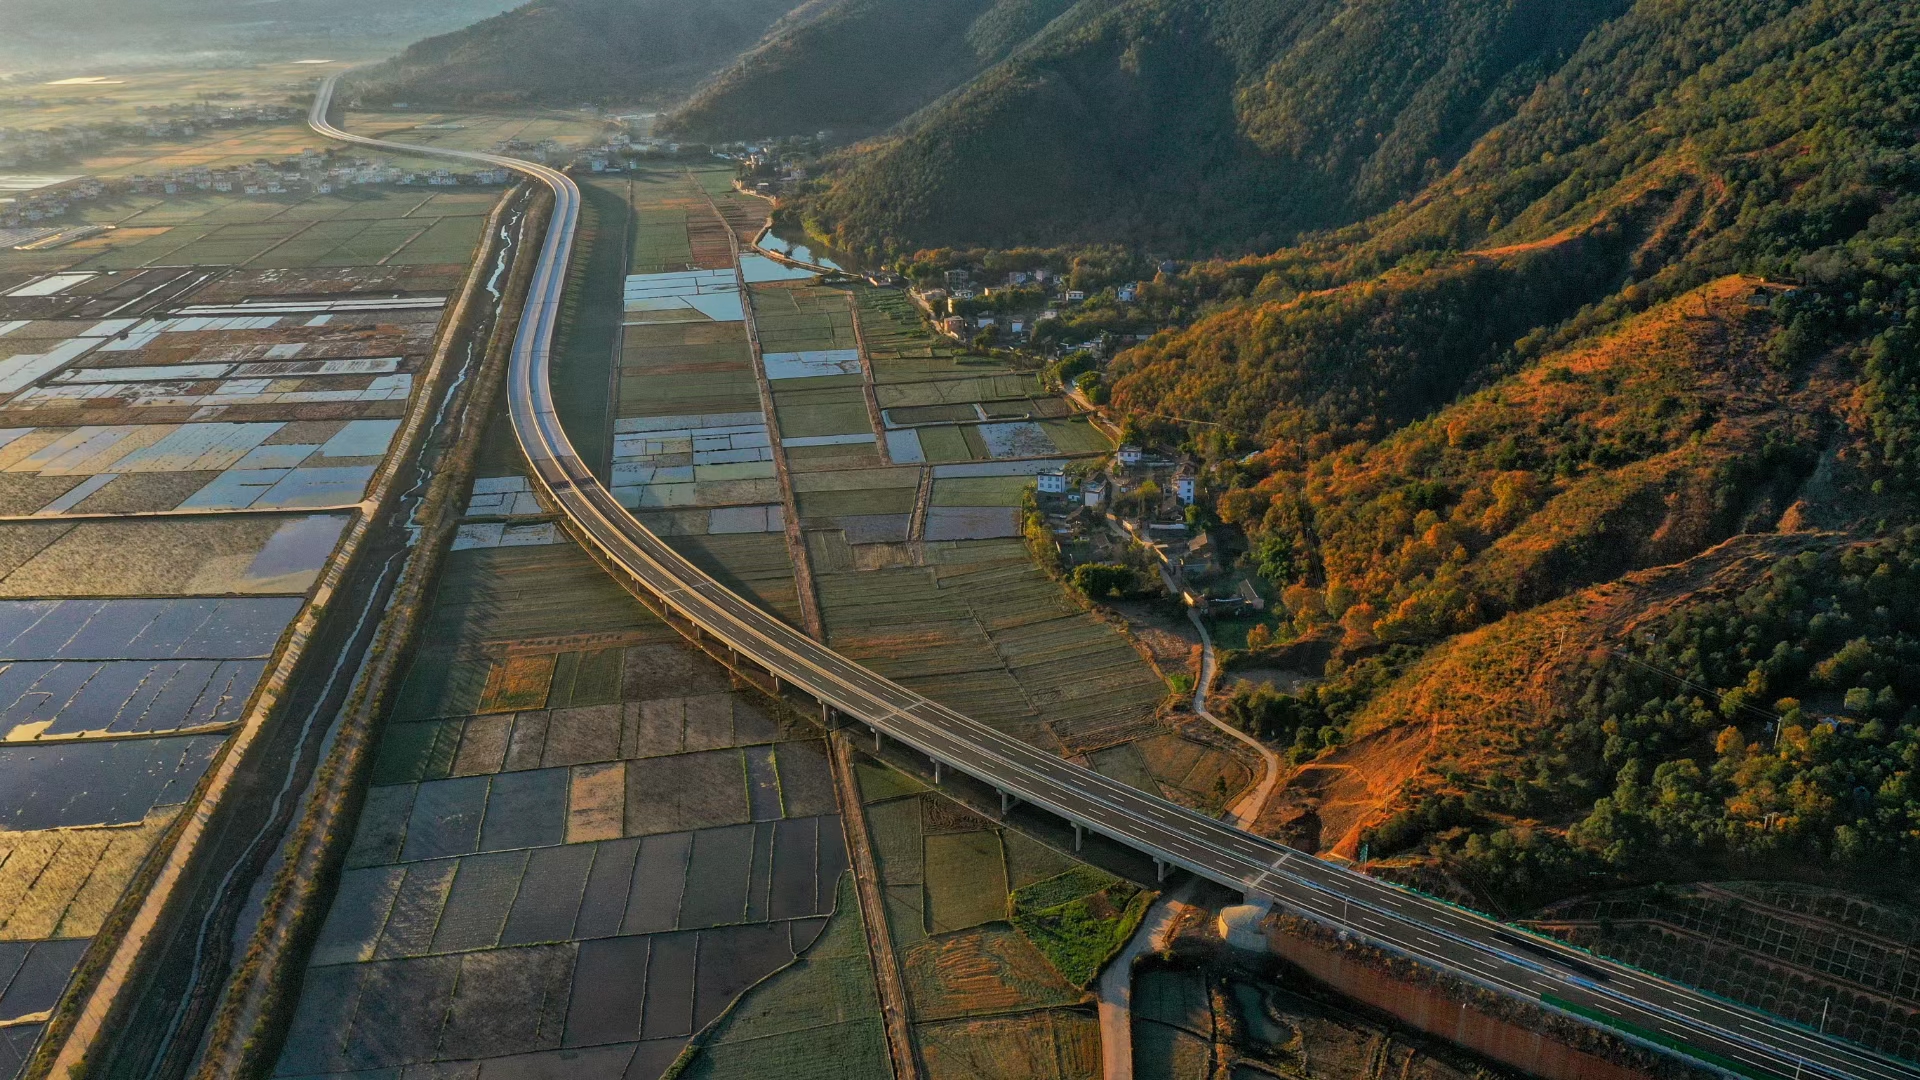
(984, 1001)
(110, 712)
(193, 408)
(368, 227)
(582, 845)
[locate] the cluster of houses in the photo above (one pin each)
(1096, 514)
(767, 167)
(944, 303)
(24, 148)
(310, 172)
(39, 198)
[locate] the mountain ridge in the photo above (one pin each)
(564, 52)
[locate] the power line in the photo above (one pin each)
(1764, 714)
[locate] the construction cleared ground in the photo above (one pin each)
(193, 409)
(1195, 1020)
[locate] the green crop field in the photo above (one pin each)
(980, 490)
(802, 318)
(755, 565)
(983, 1000)
(832, 410)
(372, 227)
(854, 456)
(985, 632)
(1080, 919)
(816, 1020)
(966, 880)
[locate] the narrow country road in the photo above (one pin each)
(1116, 982)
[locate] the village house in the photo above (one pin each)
(1183, 486)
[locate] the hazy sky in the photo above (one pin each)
(120, 31)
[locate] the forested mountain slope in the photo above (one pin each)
(861, 65)
(1192, 125)
(563, 52)
(1663, 316)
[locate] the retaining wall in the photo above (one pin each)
(1431, 1010)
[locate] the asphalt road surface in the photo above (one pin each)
(1642, 1007)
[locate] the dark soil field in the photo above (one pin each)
(581, 847)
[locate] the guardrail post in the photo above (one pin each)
(1079, 834)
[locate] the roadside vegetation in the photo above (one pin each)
(1767, 731)
(1079, 919)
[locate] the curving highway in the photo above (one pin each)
(1642, 1007)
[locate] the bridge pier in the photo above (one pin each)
(826, 716)
(1079, 835)
(1007, 802)
(936, 772)
(878, 738)
(1161, 868)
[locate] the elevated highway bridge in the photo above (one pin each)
(1630, 1003)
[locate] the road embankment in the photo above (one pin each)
(1531, 1040)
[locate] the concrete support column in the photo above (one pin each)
(1007, 802)
(826, 716)
(878, 739)
(1079, 835)
(1161, 868)
(936, 772)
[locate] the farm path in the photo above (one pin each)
(1116, 982)
(1247, 810)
